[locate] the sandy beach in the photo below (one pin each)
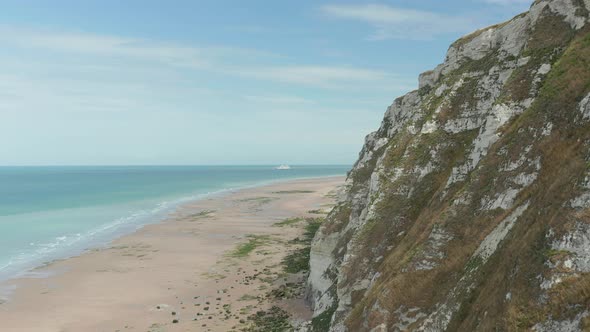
(208, 267)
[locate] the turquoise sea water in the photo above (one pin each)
(48, 213)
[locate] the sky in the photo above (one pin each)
(141, 82)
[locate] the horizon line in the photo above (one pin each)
(167, 165)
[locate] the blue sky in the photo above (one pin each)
(214, 82)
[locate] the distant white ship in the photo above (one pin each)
(283, 167)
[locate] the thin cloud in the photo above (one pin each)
(508, 2)
(255, 29)
(318, 76)
(399, 23)
(278, 99)
(115, 46)
(249, 63)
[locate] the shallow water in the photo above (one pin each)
(48, 213)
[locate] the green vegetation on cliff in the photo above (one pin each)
(469, 209)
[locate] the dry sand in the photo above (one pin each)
(183, 269)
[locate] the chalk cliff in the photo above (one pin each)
(469, 208)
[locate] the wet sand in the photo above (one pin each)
(192, 272)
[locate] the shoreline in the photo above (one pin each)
(185, 253)
(104, 240)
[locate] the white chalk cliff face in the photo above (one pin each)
(469, 208)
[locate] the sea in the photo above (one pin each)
(49, 213)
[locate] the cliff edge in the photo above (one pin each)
(469, 208)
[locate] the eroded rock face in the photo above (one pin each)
(474, 185)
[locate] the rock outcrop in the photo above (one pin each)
(469, 208)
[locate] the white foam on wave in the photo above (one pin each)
(68, 245)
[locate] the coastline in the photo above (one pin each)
(166, 269)
(105, 234)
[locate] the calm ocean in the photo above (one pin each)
(48, 213)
